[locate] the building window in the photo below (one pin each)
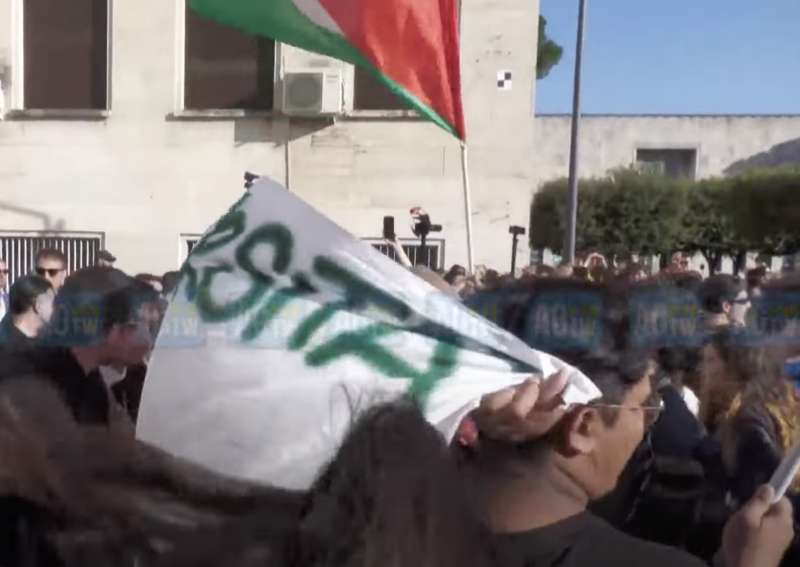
(65, 54)
(19, 249)
(432, 257)
(226, 68)
(371, 94)
(672, 163)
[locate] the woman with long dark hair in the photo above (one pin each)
(762, 422)
(723, 376)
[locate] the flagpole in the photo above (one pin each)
(467, 205)
(465, 157)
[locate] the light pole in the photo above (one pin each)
(572, 220)
(516, 232)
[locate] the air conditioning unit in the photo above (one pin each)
(315, 92)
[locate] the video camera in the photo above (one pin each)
(421, 223)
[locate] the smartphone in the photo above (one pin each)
(786, 471)
(388, 228)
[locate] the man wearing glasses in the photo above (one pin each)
(532, 466)
(51, 264)
(725, 301)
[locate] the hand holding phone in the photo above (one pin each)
(759, 534)
(784, 475)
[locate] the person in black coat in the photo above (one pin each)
(30, 309)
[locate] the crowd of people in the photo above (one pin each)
(668, 467)
(46, 314)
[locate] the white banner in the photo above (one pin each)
(285, 326)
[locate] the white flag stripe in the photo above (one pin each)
(317, 13)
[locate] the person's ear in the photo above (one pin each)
(727, 306)
(578, 432)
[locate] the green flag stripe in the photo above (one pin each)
(282, 21)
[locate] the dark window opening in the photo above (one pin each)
(675, 164)
(226, 68)
(66, 54)
(371, 94)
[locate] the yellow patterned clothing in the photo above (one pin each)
(716, 402)
(785, 421)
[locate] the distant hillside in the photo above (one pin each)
(787, 153)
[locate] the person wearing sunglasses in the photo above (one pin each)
(725, 301)
(51, 264)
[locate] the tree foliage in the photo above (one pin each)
(630, 212)
(709, 224)
(549, 52)
(766, 209)
(619, 214)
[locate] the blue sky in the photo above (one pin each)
(677, 56)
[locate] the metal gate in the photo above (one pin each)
(432, 256)
(19, 249)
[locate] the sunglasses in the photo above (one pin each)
(52, 272)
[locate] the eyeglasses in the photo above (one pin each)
(52, 272)
(651, 412)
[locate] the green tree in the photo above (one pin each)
(766, 207)
(549, 52)
(710, 227)
(548, 214)
(548, 219)
(622, 213)
(629, 212)
(641, 213)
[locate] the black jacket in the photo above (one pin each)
(85, 395)
(12, 338)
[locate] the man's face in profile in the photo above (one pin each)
(133, 341)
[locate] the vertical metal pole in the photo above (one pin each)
(467, 206)
(513, 255)
(570, 237)
(464, 157)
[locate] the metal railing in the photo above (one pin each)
(432, 256)
(18, 249)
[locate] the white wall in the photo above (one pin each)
(607, 142)
(144, 178)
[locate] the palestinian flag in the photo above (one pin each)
(410, 45)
